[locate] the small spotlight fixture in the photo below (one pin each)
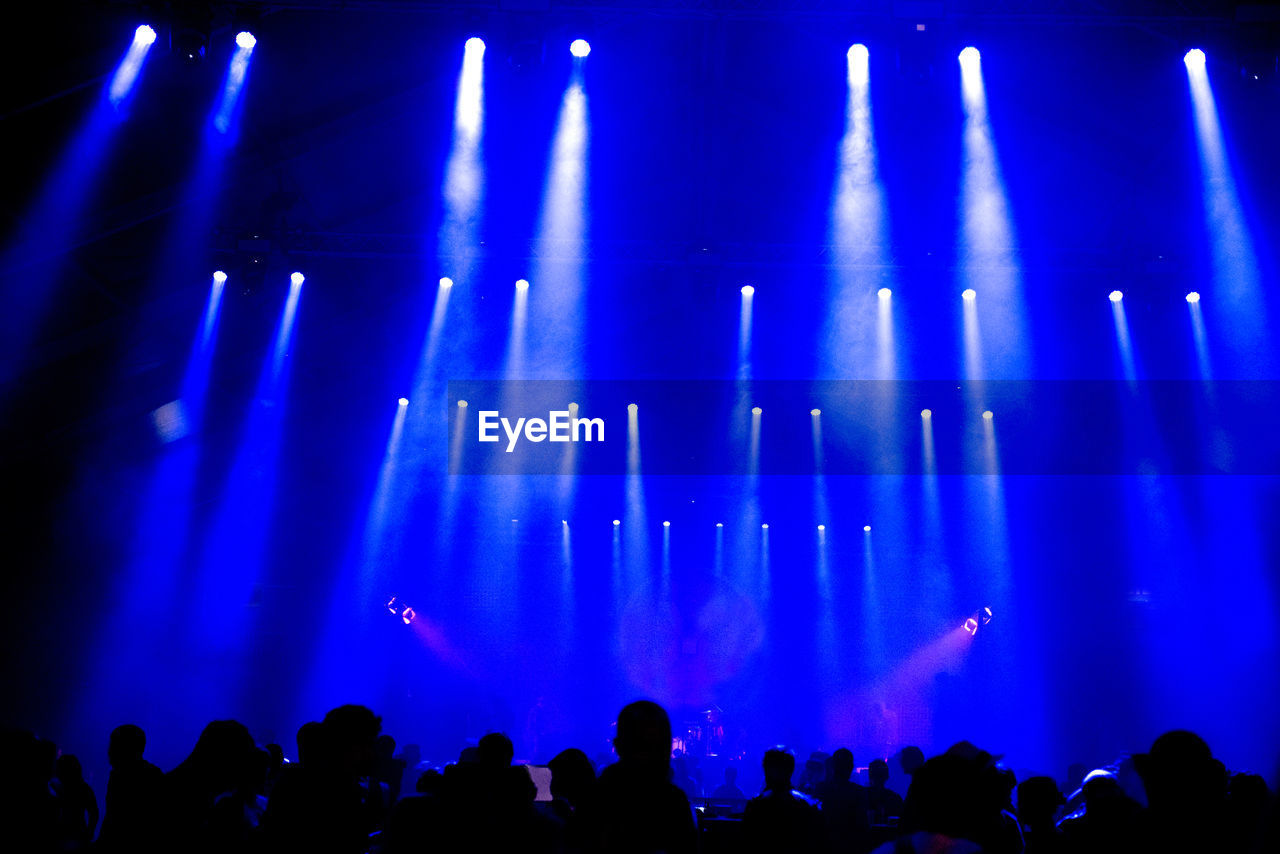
(245, 40)
(866, 529)
(144, 35)
(748, 290)
(631, 408)
(666, 524)
(474, 44)
(970, 57)
(462, 404)
(926, 414)
(884, 293)
(987, 415)
(522, 284)
(404, 401)
(971, 626)
(579, 48)
(765, 526)
(969, 294)
(221, 277)
(617, 522)
(822, 527)
(1115, 296)
(1193, 297)
(1194, 58)
(815, 412)
(858, 53)
(446, 282)
(297, 279)
(755, 410)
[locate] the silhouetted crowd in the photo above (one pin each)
(344, 795)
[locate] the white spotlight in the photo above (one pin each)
(755, 410)
(475, 44)
(666, 524)
(926, 414)
(1115, 296)
(617, 521)
(822, 527)
(1193, 297)
(297, 279)
(987, 416)
(144, 35)
(579, 48)
(404, 401)
(631, 407)
(719, 524)
(884, 293)
(221, 277)
(747, 290)
(969, 294)
(446, 282)
(815, 412)
(462, 404)
(765, 526)
(969, 58)
(858, 53)
(866, 528)
(522, 284)
(245, 40)
(1194, 58)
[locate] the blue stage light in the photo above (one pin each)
(617, 521)
(666, 524)
(219, 277)
(446, 282)
(1194, 58)
(1115, 296)
(1193, 297)
(969, 58)
(987, 415)
(475, 44)
(404, 401)
(579, 48)
(969, 294)
(747, 290)
(297, 279)
(245, 40)
(144, 35)
(858, 53)
(884, 293)
(522, 284)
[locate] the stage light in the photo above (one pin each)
(822, 527)
(987, 416)
(719, 524)
(245, 40)
(666, 524)
(296, 279)
(985, 615)
(579, 48)
(221, 277)
(564, 522)
(815, 412)
(462, 404)
(969, 294)
(866, 528)
(1115, 296)
(969, 58)
(755, 410)
(408, 615)
(884, 293)
(971, 626)
(474, 44)
(747, 290)
(522, 284)
(404, 401)
(926, 413)
(144, 35)
(392, 606)
(858, 53)
(765, 526)
(1194, 58)
(631, 408)
(446, 282)
(1193, 297)
(617, 521)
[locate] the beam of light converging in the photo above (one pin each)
(1124, 345)
(987, 251)
(339, 659)
(557, 314)
(134, 642)
(1199, 337)
(635, 513)
(859, 235)
(745, 311)
(233, 84)
(665, 583)
(828, 636)
(127, 72)
(33, 262)
(234, 556)
(517, 335)
(873, 617)
(1237, 285)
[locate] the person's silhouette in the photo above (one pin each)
(76, 804)
(883, 803)
(844, 805)
(728, 790)
(134, 791)
(781, 818)
(635, 807)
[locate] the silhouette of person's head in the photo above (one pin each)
(644, 735)
(778, 766)
(275, 755)
(842, 764)
(217, 762)
(312, 750)
(126, 745)
(1038, 801)
(351, 733)
(1178, 770)
(878, 772)
(910, 758)
(495, 750)
(385, 746)
(572, 775)
(67, 769)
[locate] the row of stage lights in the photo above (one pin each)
(145, 35)
(632, 409)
